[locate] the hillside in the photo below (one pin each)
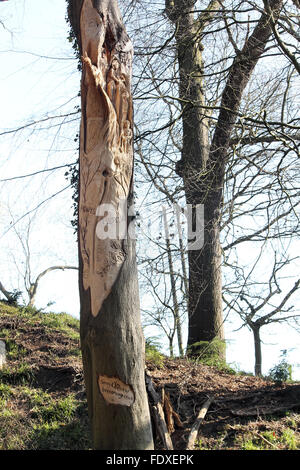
(43, 404)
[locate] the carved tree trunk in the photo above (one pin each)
(111, 335)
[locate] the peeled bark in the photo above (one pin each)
(111, 335)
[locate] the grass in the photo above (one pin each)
(9, 309)
(210, 353)
(276, 433)
(153, 354)
(5, 391)
(20, 374)
(32, 417)
(52, 411)
(271, 440)
(62, 322)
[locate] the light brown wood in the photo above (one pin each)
(195, 428)
(172, 418)
(168, 411)
(162, 427)
(106, 154)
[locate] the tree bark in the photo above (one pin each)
(257, 350)
(112, 341)
(171, 348)
(205, 288)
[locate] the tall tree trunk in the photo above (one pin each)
(201, 186)
(111, 335)
(202, 165)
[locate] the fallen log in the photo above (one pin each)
(195, 428)
(264, 410)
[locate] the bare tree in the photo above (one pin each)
(260, 305)
(26, 261)
(160, 278)
(33, 285)
(203, 164)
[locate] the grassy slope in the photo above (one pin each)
(43, 404)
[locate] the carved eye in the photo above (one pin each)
(94, 24)
(105, 173)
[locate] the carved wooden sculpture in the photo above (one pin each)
(106, 151)
(111, 335)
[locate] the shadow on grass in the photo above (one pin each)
(57, 435)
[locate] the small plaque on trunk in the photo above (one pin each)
(115, 392)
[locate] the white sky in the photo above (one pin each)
(33, 87)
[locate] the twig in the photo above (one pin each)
(264, 439)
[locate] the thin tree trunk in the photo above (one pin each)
(257, 350)
(7, 294)
(171, 349)
(111, 335)
(182, 256)
(173, 287)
